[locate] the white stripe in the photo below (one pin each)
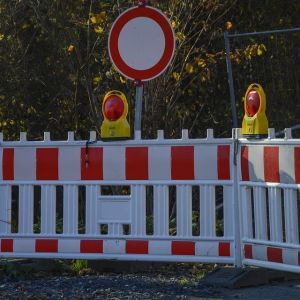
(113, 163)
(290, 257)
(68, 246)
(25, 163)
(114, 246)
(207, 248)
(24, 245)
(286, 164)
(256, 163)
(1, 163)
(159, 162)
(259, 252)
(206, 162)
(159, 247)
(69, 163)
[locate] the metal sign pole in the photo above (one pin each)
(138, 108)
(230, 81)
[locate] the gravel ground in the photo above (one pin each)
(107, 286)
(180, 281)
(103, 287)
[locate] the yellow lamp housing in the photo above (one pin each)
(115, 110)
(255, 123)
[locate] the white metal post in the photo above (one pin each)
(184, 210)
(207, 211)
(5, 209)
(291, 216)
(92, 193)
(161, 210)
(275, 214)
(70, 213)
(26, 209)
(138, 210)
(48, 209)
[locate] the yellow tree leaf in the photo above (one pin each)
(189, 68)
(261, 49)
(201, 62)
(122, 80)
(98, 29)
(96, 80)
(98, 18)
(71, 48)
(228, 25)
(176, 76)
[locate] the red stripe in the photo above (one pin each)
(46, 246)
(245, 163)
(224, 249)
(297, 164)
(271, 164)
(248, 251)
(47, 163)
(92, 164)
(8, 164)
(136, 163)
(137, 247)
(274, 255)
(182, 163)
(7, 245)
(91, 246)
(183, 248)
(224, 162)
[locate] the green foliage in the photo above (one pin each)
(79, 265)
(55, 67)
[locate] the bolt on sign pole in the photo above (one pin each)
(141, 46)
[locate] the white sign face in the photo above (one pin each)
(141, 43)
(141, 38)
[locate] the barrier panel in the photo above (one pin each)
(231, 200)
(159, 200)
(269, 202)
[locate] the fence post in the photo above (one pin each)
(237, 222)
(230, 80)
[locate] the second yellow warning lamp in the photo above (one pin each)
(255, 123)
(115, 110)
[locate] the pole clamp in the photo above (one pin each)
(86, 161)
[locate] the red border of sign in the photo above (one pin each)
(113, 48)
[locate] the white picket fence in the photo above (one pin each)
(141, 165)
(212, 200)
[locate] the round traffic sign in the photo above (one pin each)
(141, 43)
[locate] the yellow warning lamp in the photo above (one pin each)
(255, 123)
(115, 109)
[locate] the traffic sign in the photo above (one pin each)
(141, 43)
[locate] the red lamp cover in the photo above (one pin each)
(252, 103)
(113, 108)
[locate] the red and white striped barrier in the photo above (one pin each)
(102, 247)
(272, 254)
(269, 163)
(113, 163)
(260, 192)
(274, 257)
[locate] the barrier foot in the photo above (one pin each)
(235, 278)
